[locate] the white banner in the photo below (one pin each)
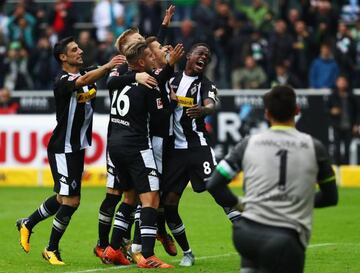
(24, 138)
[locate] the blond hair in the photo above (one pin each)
(122, 39)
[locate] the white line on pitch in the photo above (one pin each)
(197, 258)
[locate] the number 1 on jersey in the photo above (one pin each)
(282, 172)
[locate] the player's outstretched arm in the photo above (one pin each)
(94, 75)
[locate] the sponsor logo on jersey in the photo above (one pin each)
(153, 173)
(159, 103)
(86, 96)
(185, 101)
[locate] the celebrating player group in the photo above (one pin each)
(157, 142)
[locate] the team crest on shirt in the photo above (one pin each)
(157, 71)
(193, 89)
(159, 103)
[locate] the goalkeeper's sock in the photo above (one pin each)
(46, 209)
(106, 214)
(233, 214)
(176, 226)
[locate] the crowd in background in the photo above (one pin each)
(255, 44)
(306, 43)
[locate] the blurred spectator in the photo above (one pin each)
(355, 34)
(150, 17)
(301, 47)
(222, 34)
(350, 12)
(119, 26)
(21, 26)
(105, 52)
(284, 77)
(280, 45)
(3, 55)
(345, 53)
(291, 20)
(7, 104)
(41, 65)
(18, 76)
(257, 12)
(187, 37)
(257, 47)
(104, 17)
(32, 7)
(204, 17)
(324, 69)
(184, 9)
(88, 45)
(343, 112)
(62, 18)
(322, 17)
(4, 19)
(251, 76)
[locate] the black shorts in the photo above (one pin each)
(66, 170)
(267, 248)
(184, 165)
(112, 180)
(135, 169)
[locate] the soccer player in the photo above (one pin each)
(281, 166)
(130, 149)
(74, 92)
(114, 191)
(190, 157)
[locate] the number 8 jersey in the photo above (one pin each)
(281, 167)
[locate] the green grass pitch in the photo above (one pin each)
(335, 244)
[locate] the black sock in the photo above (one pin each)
(176, 226)
(127, 235)
(121, 224)
(161, 221)
(46, 209)
(137, 234)
(148, 218)
(233, 214)
(106, 214)
(60, 223)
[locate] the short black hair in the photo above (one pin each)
(60, 47)
(135, 51)
(194, 46)
(280, 101)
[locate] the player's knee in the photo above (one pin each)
(171, 199)
(130, 197)
(72, 201)
(114, 191)
(150, 199)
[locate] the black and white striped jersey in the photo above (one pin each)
(74, 114)
(188, 132)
